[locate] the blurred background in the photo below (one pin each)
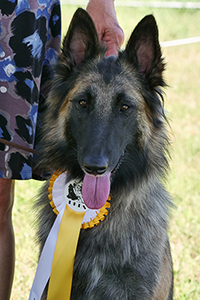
(176, 20)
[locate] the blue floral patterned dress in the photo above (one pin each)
(30, 33)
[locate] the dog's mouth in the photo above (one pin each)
(96, 189)
(119, 163)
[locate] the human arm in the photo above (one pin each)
(104, 17)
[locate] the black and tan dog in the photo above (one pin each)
(105, 125)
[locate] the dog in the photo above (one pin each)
(106, 126)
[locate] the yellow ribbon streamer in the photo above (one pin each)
(62, 267)
(63, 261)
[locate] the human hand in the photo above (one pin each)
(105, 19)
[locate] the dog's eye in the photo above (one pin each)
(83, 103)
(124, 107)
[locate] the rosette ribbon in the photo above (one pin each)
(57, 257)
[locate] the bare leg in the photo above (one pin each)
(7, 243)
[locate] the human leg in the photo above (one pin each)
(7, 244)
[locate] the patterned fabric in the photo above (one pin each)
(30, 33)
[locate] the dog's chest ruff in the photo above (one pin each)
(60, 247)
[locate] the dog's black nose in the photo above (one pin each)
(95, 165)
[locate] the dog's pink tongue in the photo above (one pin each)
(95, 190)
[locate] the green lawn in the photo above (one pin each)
(183, 106)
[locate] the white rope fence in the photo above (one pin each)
(159, 4)
(156, 4)
(181, 42)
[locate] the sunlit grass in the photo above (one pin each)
(183, 106)
(184, 180)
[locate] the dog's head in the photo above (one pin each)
(105, 114)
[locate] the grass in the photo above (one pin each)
(184, 180)
(182, 104)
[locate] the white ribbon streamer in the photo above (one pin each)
(45, 262)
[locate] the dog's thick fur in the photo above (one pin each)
(109, 112)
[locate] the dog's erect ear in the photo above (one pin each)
(81, 40)
(143, 49)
